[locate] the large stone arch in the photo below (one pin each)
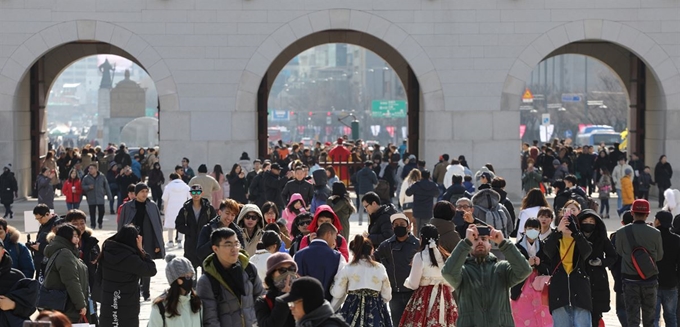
(610, 42)
(59, 45)
(359, 28)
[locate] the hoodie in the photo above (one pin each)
(251, 240)
(602, 249)
(290, 215)
(450, 171)
(487, 201)
(341, 242)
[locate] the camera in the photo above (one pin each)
(484, 230)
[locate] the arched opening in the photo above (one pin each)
(84, 93)
(382, 93)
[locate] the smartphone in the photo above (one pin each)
(484, 230)
(458, 219)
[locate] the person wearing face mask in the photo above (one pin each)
(525, 310)
(179, 305)
(280, 274)
(481, 280)
(602, 256)
(396, 254)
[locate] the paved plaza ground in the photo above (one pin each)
(159, 282)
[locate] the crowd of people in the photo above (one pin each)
(273, 243)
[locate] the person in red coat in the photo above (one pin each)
(340, 154)
(73, 191)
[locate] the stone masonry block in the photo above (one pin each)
(339, 18)
(558, 36)
(593, 29)
(504, 125)
(211, 125)
(301, 26)
(120, 37)
(284, 36)
(174, 125)
(320, 20)
(243, 126)
(378, 26)
(610, 30)
(575, 31)
(472, 125)
(86, 29)
(359, 20)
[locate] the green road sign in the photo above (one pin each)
(388, 109)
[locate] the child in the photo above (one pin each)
(179, 305)
(295, 206)
(469, 185)
(604, 186)
(645, 180)
(627, 193)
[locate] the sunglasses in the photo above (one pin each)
(304, 222)
(196, 192)
(283, 270)
(252, 217)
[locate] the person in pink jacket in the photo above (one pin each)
(324, 214)
(295, 206)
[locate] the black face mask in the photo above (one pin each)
(588, 228)
(400, 231)
(187, 283)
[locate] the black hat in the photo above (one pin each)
(444, 210)
(244, 156)
(665, 218)
(486, 176)
(339, 188)
(276, 166)
(139, 187)
(307, 289)
(270, 238)
(202, 168)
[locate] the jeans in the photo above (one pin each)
(114, 193)
(621, 309)
(93, 211)
(570, 316)
(623, 209)
(669, 300)
(640, 295)
(604, 203)
(397, 306)
(619, 199)
(71, 206)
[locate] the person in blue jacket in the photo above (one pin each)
(21, 256)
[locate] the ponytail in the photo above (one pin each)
(362, 248)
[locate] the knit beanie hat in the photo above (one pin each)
(139, 187)
(177, 267)
(444, 210)
(277, 259)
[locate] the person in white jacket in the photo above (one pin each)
(270, 243)
(455, 168)
(618, 173)
(672, 201)
(175, 194)
(178, 306)
(406, 201)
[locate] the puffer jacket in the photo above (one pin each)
(483, 286)
(364, 180)
(23, 291)
(343, 208)
(489, 199)
(119, 271)
(251, 241)
(95, 196)
(71, 195)
(230, 311)
(21, 256)
(380, 226)
(68, 273)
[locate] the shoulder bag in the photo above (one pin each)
(545, 292)
(51, 299)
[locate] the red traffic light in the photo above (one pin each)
(310, 114)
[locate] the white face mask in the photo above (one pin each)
(532, 233)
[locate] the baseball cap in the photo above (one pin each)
(399, 215)
(276, 166)
(307, 289)
(640, 206)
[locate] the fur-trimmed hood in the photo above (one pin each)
(13, 235)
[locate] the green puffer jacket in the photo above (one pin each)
(69, 273)
(483, 288)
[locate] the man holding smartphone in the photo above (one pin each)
(484, 284)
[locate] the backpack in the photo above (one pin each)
(383, 190)
(642, 261)
(585, 203)
(495, 216)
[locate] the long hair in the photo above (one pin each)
(534, 198)
(605, 171)
(362, 248)
(414, 175)
(427, 233)
(331, 170)
(172, 300)
(71, 172)
(291, 207)
(217, 171)
(267, 206)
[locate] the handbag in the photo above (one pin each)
(545, 292)
(51, 299)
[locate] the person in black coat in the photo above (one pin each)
(602, 256)
(662, 175)
(379, 225)
(669, 267)
(47, 222)
(274, 184)
(15, 291)
(226, 217)
(8, 190)
(281, 272)
(188, 224)
(498, 185)
(237, 184)
(122, 263)
(562, 195)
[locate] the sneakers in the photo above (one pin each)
(179, 244)
(169, 245)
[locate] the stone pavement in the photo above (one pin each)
(159, 282)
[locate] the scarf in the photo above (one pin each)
(232, 276)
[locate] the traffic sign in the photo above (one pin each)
(527, 97)
(554, 105)
(388, 109)
(571, 98)
(280, 115)
(545, 119)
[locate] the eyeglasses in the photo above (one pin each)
(230, 246)
(196, 192)
(464, 206)
(291, 305)
(252, 217)
(304, 223)
(283, 270)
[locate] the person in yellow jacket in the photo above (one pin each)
(627, 193)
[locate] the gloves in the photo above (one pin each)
(595, 262)
(572, 225)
